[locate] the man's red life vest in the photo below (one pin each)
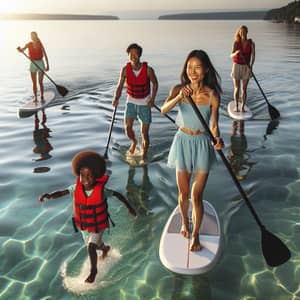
(137, 87)
(244, 56)
(35, 53)
(90, 212)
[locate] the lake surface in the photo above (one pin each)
(41, 256)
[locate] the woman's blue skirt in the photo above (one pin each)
(192, 153)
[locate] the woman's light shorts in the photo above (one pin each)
(192, 153)
(37, 66)
(240, 72)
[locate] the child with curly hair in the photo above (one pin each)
(89, 201)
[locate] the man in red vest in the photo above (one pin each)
(140, 98)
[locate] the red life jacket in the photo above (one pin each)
(137, 86)
(244, 56)
(35, 53)
(90, 212)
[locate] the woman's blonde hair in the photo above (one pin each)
(34, 36)
(237, 36)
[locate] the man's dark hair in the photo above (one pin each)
(135, 46)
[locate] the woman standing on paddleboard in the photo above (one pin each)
(192, 152)
(37, 53)
(243, 55)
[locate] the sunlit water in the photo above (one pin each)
(42, 258)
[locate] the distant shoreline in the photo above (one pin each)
(240, 15)
(55, 17)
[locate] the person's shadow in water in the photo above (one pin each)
(238, 155)
(41, 135)
(138, 194)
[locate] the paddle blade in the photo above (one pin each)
(274, 113)
(274, 250)
(62, 90)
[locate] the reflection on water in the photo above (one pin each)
(238, 155)
(41, 135)
(273, 124)
(138, 194)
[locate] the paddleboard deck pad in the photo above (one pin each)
(239, 115)
(174, 250)
(32, 106)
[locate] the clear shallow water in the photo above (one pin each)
(41, 257)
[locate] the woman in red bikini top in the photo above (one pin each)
(243, 55)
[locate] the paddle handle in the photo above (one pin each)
(110, 131)
(226, 163)
(166, 115)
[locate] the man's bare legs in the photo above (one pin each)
(130, 134)
(145, 140)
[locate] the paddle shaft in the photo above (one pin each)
(110, 131)
(225, 161)
(261, 90)
(172, 120)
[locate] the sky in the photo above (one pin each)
(111, 6)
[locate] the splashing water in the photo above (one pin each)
(77, 284)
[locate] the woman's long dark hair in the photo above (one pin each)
(211, 77)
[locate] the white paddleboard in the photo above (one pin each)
(32, 106)
(173, 249)
(239, 115)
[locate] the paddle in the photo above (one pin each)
(274, 250)
(172, 120)
(110, 131)
(61, 89)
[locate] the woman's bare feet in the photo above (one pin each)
(105, 250)
(243, 108)
(91, 277)
(236, 108)
(185, 229)
(195, 246)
